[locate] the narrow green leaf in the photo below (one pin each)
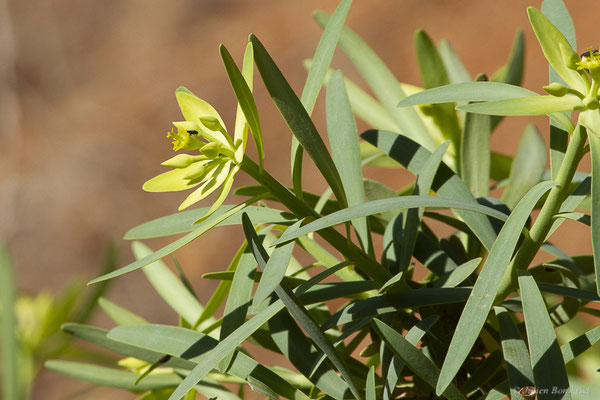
(516, 354)
(10, 364)
(468, 91)
(119, 314)
(433, 74)
(413, 336)
(556, 48)
(528, 166)
(580, 344)
(382, 82)
(558, 15)
(208, 360)
(457, 73)
(387, 303)
(298, 311)
(324, 55)
(447, 184)
(274, 270)
(594, 141)
(512, 72)
(431, 67)
(343, 138)
(475, 153)
(551, 383)
(316, 76)
(412, 222)
(102, 376)
(523, 106)
(570, 292)
(414, 359)
(241, 123)
(222, 290)
(378, 206)
(99, 337)
(370, 389)
(191, 346)
(182, 222)
(573, 201)
(243, 93)
(204, 227)
(296, 347)
(297, 117)
(170, 288)
(457, 275)
(480, 302)
(238, 298)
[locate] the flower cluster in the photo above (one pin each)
(216, 163)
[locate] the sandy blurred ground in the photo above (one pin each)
(87, 96)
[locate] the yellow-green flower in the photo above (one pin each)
(217, 161)
(590, 61)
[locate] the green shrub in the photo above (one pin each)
(468, 315)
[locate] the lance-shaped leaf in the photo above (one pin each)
(433, 74)
(516, 354)
(190, 346)
(480, 302)
(457, 73)
(379, 206)
(171, 289)
(240, 293)
(557, 49)
(446, 183)
(343, 138)
(527, 168)
(414, 359)
(297, 117)
(99, 337)
(580, 344)
(512, 72)
(316, 76)
(120, 315)
(102, 376)
(274, 270)
(467, 91)
(414, 216)
(387, 303)
(551, 383)
(594, 141)
(183, 221)
(558, 15)
(241, 123)
(204, 227)
(382, 82)
(533, 105)
(475, 152)
(298, 311)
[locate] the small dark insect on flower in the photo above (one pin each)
(192, 132)
(528, 391)
(588, 53)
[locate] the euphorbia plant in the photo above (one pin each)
(482, 323)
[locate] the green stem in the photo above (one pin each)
(543, 223)
(364, 263)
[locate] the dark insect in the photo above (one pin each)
(588, 53)
(192, 132)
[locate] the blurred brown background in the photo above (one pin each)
(87, 96)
